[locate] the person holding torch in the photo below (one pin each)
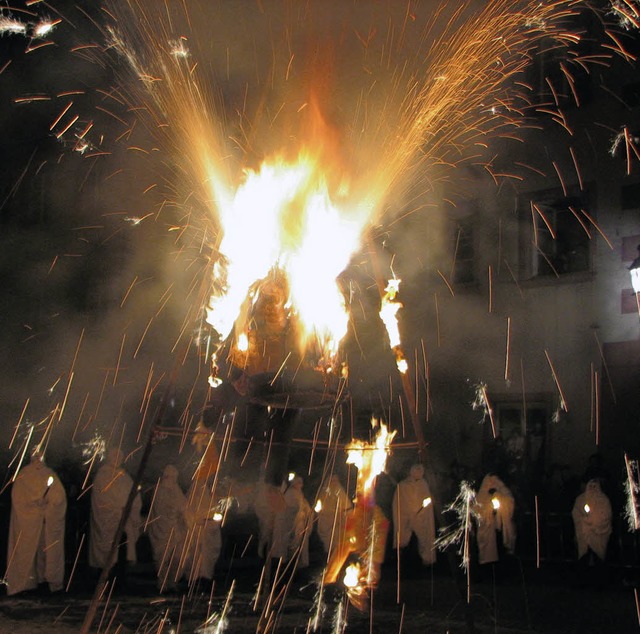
(37, 526)
(413, 514)
(591, 515)
(494, 510)
(331, 509)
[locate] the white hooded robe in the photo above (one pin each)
(592, 520)
(333, 514)
(292, 525)
(492, 520)
(36, 532)
(167, 527)
(111, 488)
(413, 514)
(203, 541)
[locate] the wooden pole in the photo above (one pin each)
(126, 511)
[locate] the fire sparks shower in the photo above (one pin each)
(350, 105)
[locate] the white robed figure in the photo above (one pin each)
(167, 528)
(36, 529)
(292, 525)
(413, 513)
(109, 495)
(494, 510)
(331, 508)
(203, 541)
(591, 515)
(268, 501)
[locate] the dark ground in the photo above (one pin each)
(513, 597)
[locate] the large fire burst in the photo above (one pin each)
(290, 180)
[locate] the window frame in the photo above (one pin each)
(549, 217)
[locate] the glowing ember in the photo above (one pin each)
(44, 28)
(11, 26)
(352, 576)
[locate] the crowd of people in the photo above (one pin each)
(185, 528)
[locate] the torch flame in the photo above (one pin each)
(370, 458)
(389, 308)
(243, 342)
(352, 576)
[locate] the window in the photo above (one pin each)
(520, 447)
(523, 430)
(556, 237)
(560, 84)
(561, 81)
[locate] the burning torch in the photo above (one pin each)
(46, 492)
(495, 501)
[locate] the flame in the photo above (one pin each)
(389, 308)
(495, 503)
(388, 311)
(49, 481)
(370, 458)
(282, 217)
(318, 507)
(243, 342)
(587, 508)
(352, 576)
(366, 526)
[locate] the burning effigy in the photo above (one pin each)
(362, 545)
